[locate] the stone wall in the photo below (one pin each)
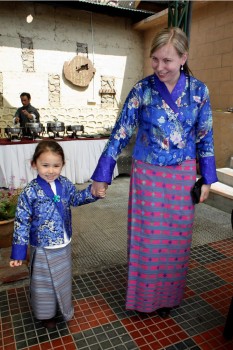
(223, 131)
(211, 50)
(33, 55)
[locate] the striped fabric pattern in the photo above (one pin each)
(51, 282)
(160, 222)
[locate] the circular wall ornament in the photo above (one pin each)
(79, 71)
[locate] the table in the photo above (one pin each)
(81, 156)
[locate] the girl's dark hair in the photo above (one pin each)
(177, 38)
(47, 146)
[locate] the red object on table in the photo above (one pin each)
(23, 141)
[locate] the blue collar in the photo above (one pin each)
(56, 199)
(170, 98)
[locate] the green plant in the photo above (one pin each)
(8, 200)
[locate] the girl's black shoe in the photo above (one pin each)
(49, 324)
(164, 311)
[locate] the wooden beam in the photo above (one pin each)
(162, 17)
(136, 3)
(151, 21)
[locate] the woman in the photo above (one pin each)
(172, 112)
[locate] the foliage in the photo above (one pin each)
(8, 200)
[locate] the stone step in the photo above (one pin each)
(221, 197)
(225, 175)
(222, 189)
(231, 163)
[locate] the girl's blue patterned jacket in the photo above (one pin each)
(39, 221)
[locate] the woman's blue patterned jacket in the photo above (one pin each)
(168, 133)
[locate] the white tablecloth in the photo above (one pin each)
(81, 158)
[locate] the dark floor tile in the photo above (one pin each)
(109, 336)
(196, 316)
(205, 254)
(223, 270)
(21, 345)
(187, 344)
(43, 338)
(116, 300)
(225, 246)
(98, 282)
(219, 298)
(201, 280)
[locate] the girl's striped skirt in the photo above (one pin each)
(160, 222)
(51, 282)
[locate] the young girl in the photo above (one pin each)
(43, 220)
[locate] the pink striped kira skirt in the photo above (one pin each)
(160, 222)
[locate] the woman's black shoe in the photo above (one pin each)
(49, 324)
(164, 312)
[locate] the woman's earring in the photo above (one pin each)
(182, 67)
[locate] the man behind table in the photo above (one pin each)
(26, 114)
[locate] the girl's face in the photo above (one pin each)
(166, 64)
(49, 166)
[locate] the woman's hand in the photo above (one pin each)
(98, 189)
(205, 190)
(14, 263)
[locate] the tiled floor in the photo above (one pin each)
(101, 321)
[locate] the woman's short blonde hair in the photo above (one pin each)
(174, 36)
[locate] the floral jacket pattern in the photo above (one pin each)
(38, 220)
(172, 127)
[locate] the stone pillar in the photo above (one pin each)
(27, 54)
(1, 90)
(28, 60)
(54, 90)
(107, 92)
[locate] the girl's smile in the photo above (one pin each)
(49, 166)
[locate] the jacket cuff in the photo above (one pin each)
(208, 170)
(104, 170)
(88, 189)
(18, 252)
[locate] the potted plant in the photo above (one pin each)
(8, 203)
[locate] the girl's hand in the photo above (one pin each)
(14, 263)
(205, 190)
(98, 189)
(101, 193)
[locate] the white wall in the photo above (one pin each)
(113, 46)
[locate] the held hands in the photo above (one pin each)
(205, 190)
(14, 263)
(98, 189)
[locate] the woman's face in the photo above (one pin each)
(166, 64)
